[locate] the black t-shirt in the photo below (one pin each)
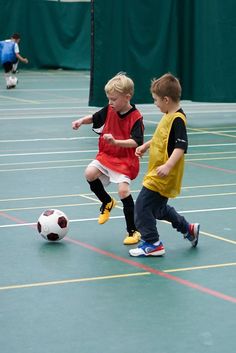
(178, 135)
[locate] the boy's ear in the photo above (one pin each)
(166, 99)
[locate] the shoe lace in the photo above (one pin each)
(102, 208)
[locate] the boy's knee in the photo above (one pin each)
(123, 193)
(89, 174)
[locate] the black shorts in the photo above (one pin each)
(8, 66)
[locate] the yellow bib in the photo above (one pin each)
(170, 185)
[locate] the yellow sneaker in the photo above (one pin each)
(105, 211)
(132, 239)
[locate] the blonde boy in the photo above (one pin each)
(120, 126)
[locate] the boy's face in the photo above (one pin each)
(161, 102)
(118, 101)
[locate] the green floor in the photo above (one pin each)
(86, 294)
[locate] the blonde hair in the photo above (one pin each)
(167, 86)
(121, 84)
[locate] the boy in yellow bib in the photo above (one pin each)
(165, 171)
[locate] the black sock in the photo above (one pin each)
(128, 209)
(98, 189)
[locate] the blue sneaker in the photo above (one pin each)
(147, 249)
(193, 234)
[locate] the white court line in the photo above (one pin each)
(96, 137)
(87, 195)
(45, 153)
(20, 100)
(51, 139)
(46, 162)
(85, 165)
(89, 151)
(45, 108)
(43, 207)
(111, 192)
(71, 116)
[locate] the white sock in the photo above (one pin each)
(157, 243)
(8, 79)
(14, 66)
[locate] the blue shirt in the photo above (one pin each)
(7, 51)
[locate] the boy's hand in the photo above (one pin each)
(76, 124)
(163, 170)
(109, 138)
(140, 150)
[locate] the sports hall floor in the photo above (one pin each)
(85, 294)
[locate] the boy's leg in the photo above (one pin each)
(92, 175)
(189, 230)
(15, 66)
(7, 69)
(133, 235)
(147, 206)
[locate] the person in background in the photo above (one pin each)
(10, 57)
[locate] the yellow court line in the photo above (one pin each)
(90, 279)
(218, 238)
(20, 100)
(200, 267)
(212, 236)
(214, 132)
(76, 280)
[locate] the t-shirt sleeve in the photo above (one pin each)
(99, 119)
(180, 134)
(137, 132)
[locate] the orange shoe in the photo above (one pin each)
(105, 211)
(132, 239)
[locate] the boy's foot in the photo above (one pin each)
(193, 234)
(105, 211)
(11, 86)
(132, 238)
(147, 249)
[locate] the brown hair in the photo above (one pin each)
(167, 86)
(16, 36)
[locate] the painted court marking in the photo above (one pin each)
(76, 280)
(145, 268)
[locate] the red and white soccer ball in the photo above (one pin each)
(53, 225)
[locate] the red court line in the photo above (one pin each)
(14, 219)
(184, 282)
(230, 171)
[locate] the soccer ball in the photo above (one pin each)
(53, 225)
(13, 81)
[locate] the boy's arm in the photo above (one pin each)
(19, 57)
(140, 150)
(88, 119)
(129, 143)
(163, 170)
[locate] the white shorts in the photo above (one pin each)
(109, 176)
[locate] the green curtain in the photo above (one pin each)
(54, 34)
(195, 40)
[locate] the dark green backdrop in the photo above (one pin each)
(193, 39)
(54, 34)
